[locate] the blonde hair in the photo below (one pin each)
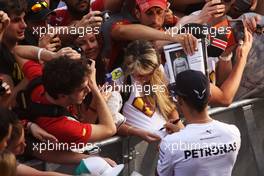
(7, 163)
(142, 58)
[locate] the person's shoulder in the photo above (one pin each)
(229, 128)
(175, 137)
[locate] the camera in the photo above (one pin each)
(78, 49)
(2, 89)
(105, 15)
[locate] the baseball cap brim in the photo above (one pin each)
(154, 3)
(41, 15)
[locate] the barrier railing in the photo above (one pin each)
(246, 114)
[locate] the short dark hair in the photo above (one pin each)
(7, 118)
(198, 107)
(14, 7)
(63, 76)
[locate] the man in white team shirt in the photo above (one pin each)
(205, 147)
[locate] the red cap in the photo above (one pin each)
(145, 5)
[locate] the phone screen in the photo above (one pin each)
(238, 29)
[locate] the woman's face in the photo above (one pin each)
(89, 45)
(142, 78)
(3, 143)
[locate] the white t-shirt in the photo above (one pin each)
(140, 116)
(200, 150)
(136, 111)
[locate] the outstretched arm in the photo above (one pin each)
(225, 94)
(106, 127)
(24, 170)
(36, 53)
(141, 32)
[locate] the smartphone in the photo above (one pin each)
(238, 29)
(105, 15)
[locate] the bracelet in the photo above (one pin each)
(39, 53)
(226, 58)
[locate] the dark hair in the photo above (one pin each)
(63, 76)
(14, 7)
(6, 118)
(198, 106)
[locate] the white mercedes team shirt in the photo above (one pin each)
(200, 150)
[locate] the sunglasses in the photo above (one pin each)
(39, 6)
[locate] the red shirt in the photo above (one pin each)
(97, 5)
(117, 46)
(64, 128)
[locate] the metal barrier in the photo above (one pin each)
(246, 115)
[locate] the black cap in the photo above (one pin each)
(193, 86)
(39, 15)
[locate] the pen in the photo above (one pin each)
(173, 122)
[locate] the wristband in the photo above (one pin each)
(226, 58)
(39, 54)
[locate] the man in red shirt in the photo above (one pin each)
(65, 83)
(76, 11)
(147, 24)
(76, 15)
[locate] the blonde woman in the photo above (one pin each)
(148, 106)
(7, 163)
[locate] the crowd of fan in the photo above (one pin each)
(58, 58)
